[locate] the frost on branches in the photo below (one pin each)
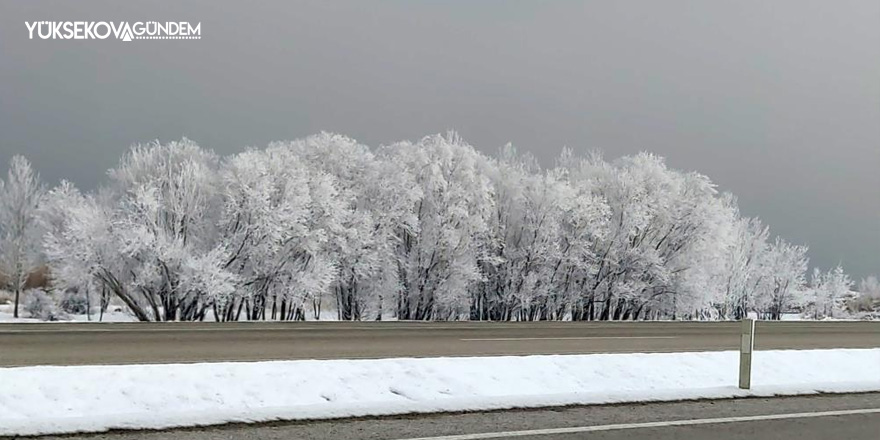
(20, 198)
(427, 230)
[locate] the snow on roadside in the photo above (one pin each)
(43, 400)
(110, 316)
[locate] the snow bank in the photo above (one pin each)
(35, 400)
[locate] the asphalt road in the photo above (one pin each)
(851, 417)
(78, 344)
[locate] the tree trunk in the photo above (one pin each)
(15, 309)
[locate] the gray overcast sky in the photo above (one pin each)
(777, 101)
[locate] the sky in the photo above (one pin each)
(778, 102)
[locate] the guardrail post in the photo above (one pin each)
(747, 346)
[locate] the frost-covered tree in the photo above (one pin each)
(585, 221)
(785, 268)
(20, 252)
(438, 263)
(828, 289)
(376, 200)
(69, 246)
(743, 271)
(164, 210)
(663, 227)
(870, 286)
(543, 227)
(278, 221)
(525, 229)
(868, 296)
(150, 239)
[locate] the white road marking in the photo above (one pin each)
(663, 424)
(572, 338)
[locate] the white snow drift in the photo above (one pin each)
(35, 400)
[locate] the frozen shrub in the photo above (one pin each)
(40, 305)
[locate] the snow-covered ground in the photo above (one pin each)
(93, 398)
(110, 316)
(118, 314)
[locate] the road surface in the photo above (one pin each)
(131, 343)
(851, 417)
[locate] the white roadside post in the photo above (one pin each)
(745, 353)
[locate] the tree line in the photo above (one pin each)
(430, 230)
